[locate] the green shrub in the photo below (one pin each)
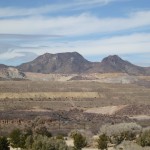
(43, 131)
(79, 141)
(130, 145)
(144, 138)
(102, 142)
(45, 143)
(4, 144)
(120, 132)
(60, 136)
(17, 139)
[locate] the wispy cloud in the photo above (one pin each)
(127, 44)
(80, 25)
(53, 8)
(27, 36)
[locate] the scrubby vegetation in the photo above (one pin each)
(79, 141)
(144, 138)
(4, 143)
(40, 139)
(43, 121)
(120, 134)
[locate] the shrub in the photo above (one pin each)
(17, 139)
(45, 143)
(28, 142)
(144, 138)
(119, 132)
(60, 136)
(117, 129)
(79, 141)
(129, 145)
(102, 142)
(43, 131)
(4, 144)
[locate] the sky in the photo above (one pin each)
(94, 28)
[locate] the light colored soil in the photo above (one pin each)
(48, 77)
(108, 110)
(50, 95)
(141, 117)
(105, 77)
(69, 142)
(14, 148)
(38, 109)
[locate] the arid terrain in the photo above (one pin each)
(64, 93)
(65, 104)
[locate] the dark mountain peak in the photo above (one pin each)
(2, 66)
(112, 59)
(114, 63)
(73, 62)
(60, 55)
(69, 62)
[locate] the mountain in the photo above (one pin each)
(74, 63)
(114, 63)
(2, 66)
(7, 72)
(67, 63)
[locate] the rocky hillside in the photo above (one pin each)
(66, 63)
(115, 64)
(7, 72)
(73, 62)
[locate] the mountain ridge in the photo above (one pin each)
(73, 62)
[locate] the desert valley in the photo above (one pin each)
(64, 92)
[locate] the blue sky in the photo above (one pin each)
(94, 28)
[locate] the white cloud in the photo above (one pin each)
(121, 45)
(10, 55)
(83, 24)
(52, 8)
(129, 44)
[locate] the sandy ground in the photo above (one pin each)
(14, 148)
(108, 110)
(141, 117)
(50, 95)
(69, 142)
(105, 77)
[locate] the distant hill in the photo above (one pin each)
(71, 63)
(66, 63)
(114, 63)
(7, 73)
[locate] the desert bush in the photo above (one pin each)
(45, 143)
(117, 129)
(72, 133)
(120, 132)
(86, 133)
(4, 144)
(129, 145)
(79, 141)
(60, 136)
(28, 142)
(102, 142)
(144, 138)
(17, 139)
(43, 131)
